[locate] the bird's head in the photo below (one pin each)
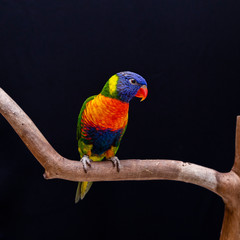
(126, 85)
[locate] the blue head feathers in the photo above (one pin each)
(129, 84)
(124, 86)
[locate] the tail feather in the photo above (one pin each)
(82, 189)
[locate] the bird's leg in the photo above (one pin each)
(116, 162)
(85, 160)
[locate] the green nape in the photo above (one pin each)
(110, 88)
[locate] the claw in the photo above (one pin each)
(85, 160)
(116, 162)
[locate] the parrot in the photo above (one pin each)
(103, 120)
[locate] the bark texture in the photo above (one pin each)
(226, 185)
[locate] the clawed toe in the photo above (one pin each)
(86, 161)
(116, 162)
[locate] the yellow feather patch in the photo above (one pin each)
(113, 84)
(84, 149)
(85, 186)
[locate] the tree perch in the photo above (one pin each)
(226, 185)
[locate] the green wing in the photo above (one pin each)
(79, 129)
(83, 187)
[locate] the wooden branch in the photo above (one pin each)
(226, 185)
(57, 166)
(231, 221)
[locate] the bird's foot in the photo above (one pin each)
(116, 162)
(86, 161)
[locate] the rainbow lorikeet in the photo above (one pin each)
(103, 120)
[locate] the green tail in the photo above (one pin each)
(82, 189)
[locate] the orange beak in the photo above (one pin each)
(142, 92)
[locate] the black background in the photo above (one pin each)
(54, 54)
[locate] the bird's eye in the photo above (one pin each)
(133, 81)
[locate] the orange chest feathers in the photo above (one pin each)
(106, 113)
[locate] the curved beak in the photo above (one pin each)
(142, 92)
